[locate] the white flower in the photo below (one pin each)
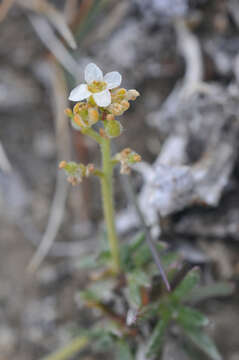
(96, 85)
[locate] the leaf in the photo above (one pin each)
(98, 291)
(136, 280)
(188, 317)
(203, 342)
(127, 250)
(123, 351)
(187, 284)
(213, 290)
(156, 340)
(102, 339)
(143, 254)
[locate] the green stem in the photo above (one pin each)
(108, 204)
(93, 134)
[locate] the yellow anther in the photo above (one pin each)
(97, 86)
(121, 91)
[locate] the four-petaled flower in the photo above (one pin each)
(96, 85)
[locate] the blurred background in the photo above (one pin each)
(182, 55)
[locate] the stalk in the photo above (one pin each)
(69, 350)
(108, 203)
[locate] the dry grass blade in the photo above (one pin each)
(5, 7)
(113, 20)
(47, 36)
(63, 145)
(55, 17)
(5, 165)
(70, 10)
(190, 49)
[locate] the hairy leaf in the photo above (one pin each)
(189, 317)
(187, 284)
(203, 342)
(156, 340)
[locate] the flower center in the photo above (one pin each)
(97, 86)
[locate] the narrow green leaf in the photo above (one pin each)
(213, 290)
(143, 255)
(189, 317)
(187, 284)
(203, 342)
(102, 339)
(136, 280)
(156, 340)
(127, 250)
(136, 242)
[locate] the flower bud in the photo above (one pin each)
(127, 157)
(93, 116)
(132, 94)
(62, 164)
(113, 128)
(125, 105)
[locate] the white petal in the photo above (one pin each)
(102, 98)
(113, 79)
(93, 72)
(79, 93)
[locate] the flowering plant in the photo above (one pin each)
(104, 101)
(136, 309)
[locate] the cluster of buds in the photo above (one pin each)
(75, 172)
(126, 158)
(84, 115)
(120, 100)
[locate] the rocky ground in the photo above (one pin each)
(184, 60)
